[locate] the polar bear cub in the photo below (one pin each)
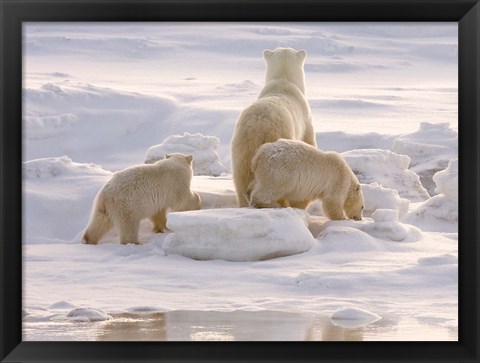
(281, 111)
(288, 170)
(139, 192)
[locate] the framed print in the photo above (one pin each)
(239, 181)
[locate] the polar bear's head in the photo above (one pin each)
(181, 158)
(354, 203)
(286, 64)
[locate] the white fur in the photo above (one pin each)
(281, 111)
(139, 192)
(289, 171)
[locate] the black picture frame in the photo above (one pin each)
(14, 12)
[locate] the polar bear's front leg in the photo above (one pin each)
(333, 208)
(159, 221)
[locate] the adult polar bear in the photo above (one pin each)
(281, 111)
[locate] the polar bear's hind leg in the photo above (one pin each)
(100, 223)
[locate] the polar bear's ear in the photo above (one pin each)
(167, 156)
(302, 54)
(357, 188)
(267, 54)
(189, 158)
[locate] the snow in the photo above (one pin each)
(203, 148)
(238, 234)
(383, 95)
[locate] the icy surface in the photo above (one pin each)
(238, 234)
(203, 148)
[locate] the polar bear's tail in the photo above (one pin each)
(100, 223)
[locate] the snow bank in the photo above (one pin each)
(439, 213)
(47, 126)
(353, 317)
(388, 169)
(235, 234)
(430, 149)
(203, 148)
(58, 197)
(58, 167)
(93, 124)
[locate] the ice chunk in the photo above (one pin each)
(86, 314)
(203, 148)
(439, 213)
(235, 234)
(353, 317)
(447, 180)
(430, 148)
(388, 169)
(378, 197)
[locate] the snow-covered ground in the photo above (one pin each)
(101, 97)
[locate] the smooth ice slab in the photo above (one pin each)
(238, 234)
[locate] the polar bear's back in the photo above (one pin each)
(146, 187)
(300, 169)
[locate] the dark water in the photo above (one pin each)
(235, 326)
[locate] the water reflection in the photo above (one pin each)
(233, 326)
(261, 326)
